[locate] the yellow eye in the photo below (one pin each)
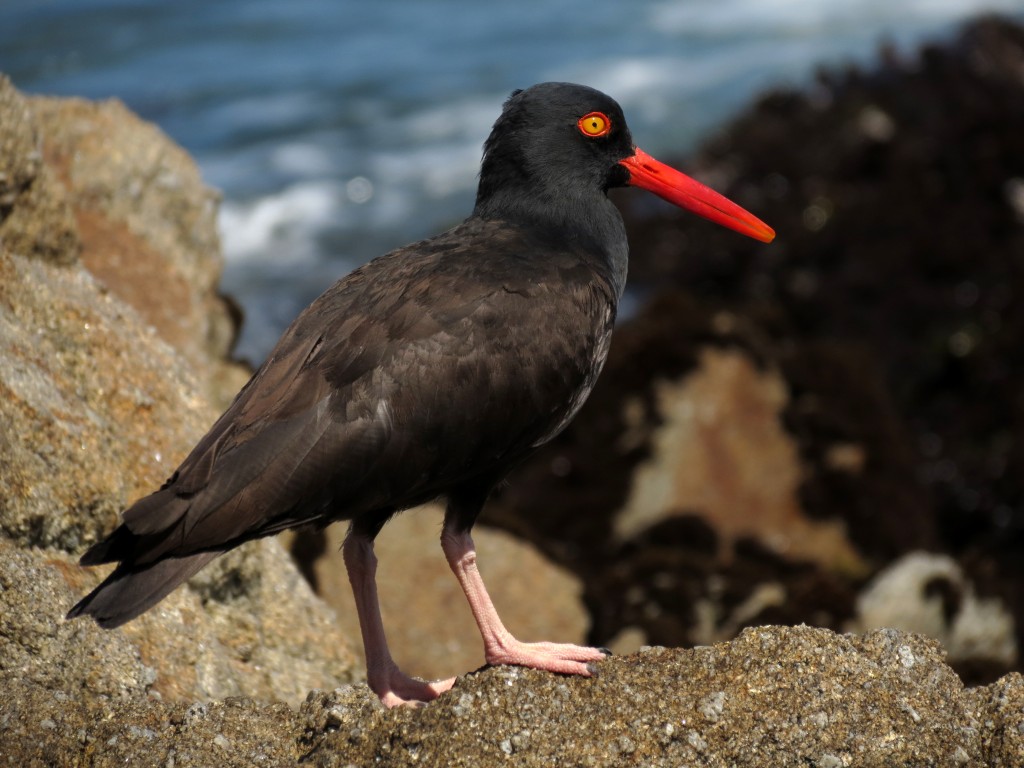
(594, 124)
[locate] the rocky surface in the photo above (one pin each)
(97, 407)
(931, 595)
(144, 217)
(774, 696)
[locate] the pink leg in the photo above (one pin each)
(500, 647)
(382, 674)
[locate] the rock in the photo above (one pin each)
(79, 365)
(97, 408)
(142, 731)
(144, 217)
(35, 220)
(430, 629)
(774, 696)
(719, 450)
(248, 626)
(930, 594)
(38, 647)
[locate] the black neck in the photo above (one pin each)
(587, 226)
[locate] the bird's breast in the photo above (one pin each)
(594, 355)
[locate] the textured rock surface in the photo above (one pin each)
(930, 594)
(34, 218)
(145, 218)
(719, 448)
(40, 727)
(775, 696)
(39, 648)
(97, 407)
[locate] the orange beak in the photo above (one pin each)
(679, 189)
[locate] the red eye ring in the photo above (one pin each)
(594, 124)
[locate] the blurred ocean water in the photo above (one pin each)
(338, 130)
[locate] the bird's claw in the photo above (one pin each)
(563, 658)
(400, 690)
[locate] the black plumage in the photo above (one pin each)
(429, 372)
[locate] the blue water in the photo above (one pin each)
(340, 129)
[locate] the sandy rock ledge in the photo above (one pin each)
(773, 697)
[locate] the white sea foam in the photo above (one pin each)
(282, 225)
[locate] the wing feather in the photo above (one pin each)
(411, 375)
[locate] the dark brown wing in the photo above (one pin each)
(426, 369)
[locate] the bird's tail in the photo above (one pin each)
(133, 589)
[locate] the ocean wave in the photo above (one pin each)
(282, 225)
(338, 131)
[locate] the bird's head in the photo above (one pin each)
(570, 142)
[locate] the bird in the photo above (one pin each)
(426, 374)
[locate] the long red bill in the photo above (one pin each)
(679, 189)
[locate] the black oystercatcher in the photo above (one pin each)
(429, 372)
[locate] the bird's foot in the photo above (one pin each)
(563, 658)
(398, 689)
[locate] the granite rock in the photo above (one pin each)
(98, 405)
(773, 696)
